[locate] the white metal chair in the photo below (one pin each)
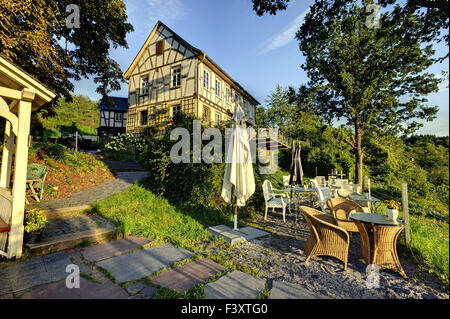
(321, 180)
(273, 200)
(322, 197)
(286, 179)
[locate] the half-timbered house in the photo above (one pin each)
(113, 117)
(169, 76)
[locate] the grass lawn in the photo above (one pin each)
(139, 212)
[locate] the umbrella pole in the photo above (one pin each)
(235, 215)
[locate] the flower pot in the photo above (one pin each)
(392, 214)
(34, 236)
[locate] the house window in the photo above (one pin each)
(176, 76)
(206, 80)
(144, 117)
(228, 94)
(217, 118)
(144, 85)
(176, 110)
(160, 47)
(218, 88)
(206, 114)
(119, 116)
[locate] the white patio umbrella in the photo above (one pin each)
(238, 179)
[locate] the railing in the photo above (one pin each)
(274, 135)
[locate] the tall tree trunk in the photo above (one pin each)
(358, 155)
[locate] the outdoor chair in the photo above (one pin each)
(286, 179)
(326, 238)
(273, 200)
(36, 174)
(322, 197)
(321, 180)
(340, 209)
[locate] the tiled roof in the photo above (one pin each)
(120, 104)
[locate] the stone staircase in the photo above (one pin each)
(68, 231)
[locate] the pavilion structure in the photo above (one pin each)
(20, 95)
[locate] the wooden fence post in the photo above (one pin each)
(406, 213)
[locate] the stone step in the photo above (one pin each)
(235, 285)
(143, 263)
(57, 243)
(66, 212)
(187, 276)
(114, 248)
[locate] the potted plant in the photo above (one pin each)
(35, 222)
(392, 209)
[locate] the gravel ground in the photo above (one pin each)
(280, 257)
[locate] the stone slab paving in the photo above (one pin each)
(286, 290)
(65, 226)
(33, 272)
(187, 276)
(140, 264)
(236, 236)
(113, 248)
(235, 285)
(87, 290)
(92, 194)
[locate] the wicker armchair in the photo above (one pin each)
(340, 209)
(326, 238)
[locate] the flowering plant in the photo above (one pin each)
(392, 204)
(35, 219)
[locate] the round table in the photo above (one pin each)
(379, 240)
(294, 200)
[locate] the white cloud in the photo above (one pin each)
(284, 37)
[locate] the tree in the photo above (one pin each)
(34, 35)
(373, 78)
(286, 115)
(433, 14)
(269, 6)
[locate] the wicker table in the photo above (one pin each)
(379, 240)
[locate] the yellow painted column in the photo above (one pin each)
(8, 150)
(15, 240)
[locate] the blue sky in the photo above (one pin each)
(258, 52)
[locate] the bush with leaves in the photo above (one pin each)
(194, 184)
(127, 143)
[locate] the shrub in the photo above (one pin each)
(127, 143)
(52, 150)
(191, 184)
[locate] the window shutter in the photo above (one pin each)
(159, 47)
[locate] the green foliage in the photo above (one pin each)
(52, 150)
(430, 242)
(52, 153)
(34, 35)
(80, 114)
(192, 184)
(35, 219)
(127, 144)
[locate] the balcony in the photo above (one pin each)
(272, 138)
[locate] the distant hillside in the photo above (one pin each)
(81, 114)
